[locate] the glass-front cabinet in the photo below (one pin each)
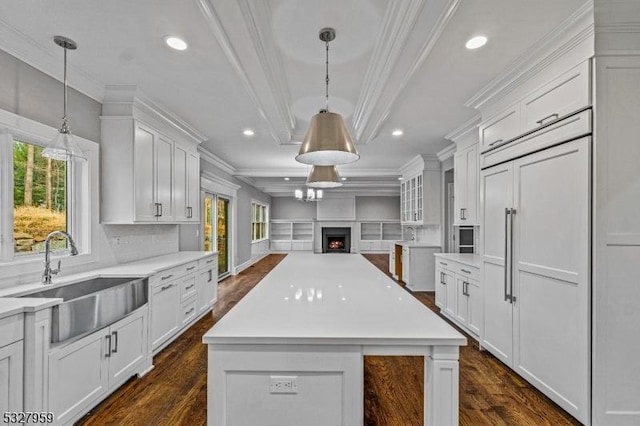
(420, 191)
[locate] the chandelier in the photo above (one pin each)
(309, 196)
(327, 141)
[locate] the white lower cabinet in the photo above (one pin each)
(458, 293)
(165, 301)
(84, 371)
(11, 362)
(207, 283)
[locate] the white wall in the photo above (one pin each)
(289, 208)
(377, 207)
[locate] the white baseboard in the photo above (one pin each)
(249, 262)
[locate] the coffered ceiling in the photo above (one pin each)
(258, 64)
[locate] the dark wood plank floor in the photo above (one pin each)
(175, 392)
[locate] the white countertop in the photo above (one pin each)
(13, 305)
(473, 260)
(137, 269)
(331, 299)
(410, 243)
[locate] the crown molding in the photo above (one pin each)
(257, 16)
(42, 58)
(211, 182)
(462, 130)
(217, 29)
(216, 161)
(303, 172)
(398, 22)
(562, 39)
(447, 152)
(127, 99)
(420, 163)
(369, 130)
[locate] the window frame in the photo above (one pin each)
(258, 210)
(82, 199)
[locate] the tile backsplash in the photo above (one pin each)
(127, 243)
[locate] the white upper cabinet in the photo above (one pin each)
(150, 172)
(500, 128)
(420, 191)
(568, 93)
(466, 187)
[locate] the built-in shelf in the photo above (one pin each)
(287, 235)
(376, 235)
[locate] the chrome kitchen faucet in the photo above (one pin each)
(48, 272)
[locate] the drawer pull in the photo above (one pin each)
(191, 268)
(189, 287)
(189, 312)
(209, 261)
(166, 287)
(166, 277)
(542, 120)
(442, 263)
(495, 142)
(465, 271)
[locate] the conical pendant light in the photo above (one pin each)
(63, 146)
(324, 177)
(327, 141)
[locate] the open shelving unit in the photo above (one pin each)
(287, 235)
(376, 235)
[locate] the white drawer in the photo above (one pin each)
(187, 287)
(467, 271)
(188, 311)
(174, 273)
(11, 329)
(207, 262)
(449, 265)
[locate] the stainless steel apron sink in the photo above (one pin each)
(93, 304)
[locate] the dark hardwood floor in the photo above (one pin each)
(175, 391)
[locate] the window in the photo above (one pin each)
(39, 195)
(259, 221)
(39, 199)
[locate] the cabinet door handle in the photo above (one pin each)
(166, 277)
(209, 261)
(191, 268)
(157, 206)
(189, 212)
(542, 120)
(189, 312)
(210, 275)
(190, 287)
(495, 142)
(107, 353)
(507, 212)
(166, 287)
(462, 215)
(465, 271)
(115, 342)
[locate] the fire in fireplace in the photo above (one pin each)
(336, 240)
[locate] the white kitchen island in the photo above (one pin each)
(291, 351)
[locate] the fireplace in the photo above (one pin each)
(336, 240)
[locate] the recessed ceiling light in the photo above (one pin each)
(286, 178)
(400, 178)
(397, 132)
(175, 43)
(476, 42)
(248, 132)
(344, 178)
